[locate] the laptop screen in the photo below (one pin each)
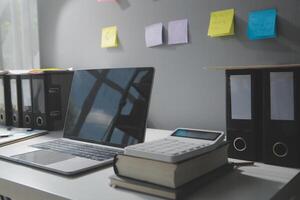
(109, 106)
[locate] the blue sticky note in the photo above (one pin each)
(262, 24)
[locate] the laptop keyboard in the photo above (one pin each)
(92, 152)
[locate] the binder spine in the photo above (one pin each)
(281, 127)
(115, 168)
(50, 99)
(16, 100)
(5, 110)
(58, 87)
(27, 101)
(243, 88)
(39, 102)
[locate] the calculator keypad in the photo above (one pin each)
(165, 149)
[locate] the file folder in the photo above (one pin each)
(39, 102)
(27, 116)
(16, 100)
(281, 127)
(243, 104)
(50, 93)
(5, 101)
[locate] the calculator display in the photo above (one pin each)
(203, 135)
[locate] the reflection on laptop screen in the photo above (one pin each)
(109, 106)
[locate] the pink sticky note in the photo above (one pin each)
(103, 1)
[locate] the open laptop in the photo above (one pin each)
(107, 111)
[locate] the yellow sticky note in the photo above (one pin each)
(221, 23)
(38, 71)
(109, 37)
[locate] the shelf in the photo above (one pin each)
(251, 67)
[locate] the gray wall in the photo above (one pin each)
(184, 93)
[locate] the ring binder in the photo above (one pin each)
(16, 100)
(50, 93)
(281, 127)
(26, 101)
(5, 101)
(243, 89)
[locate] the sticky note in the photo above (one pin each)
(262, 24)
(104, 1)
(109, 37)
(154, 35)
(178, 32)
(221, 23)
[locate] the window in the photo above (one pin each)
(19, 44)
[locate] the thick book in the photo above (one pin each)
(170, 175)
(169, 193)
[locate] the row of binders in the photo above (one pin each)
(263, 115)
(36, 100)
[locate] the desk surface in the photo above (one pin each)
(21, 182)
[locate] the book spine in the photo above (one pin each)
(142, 169)
(169, 175)
(115, 165)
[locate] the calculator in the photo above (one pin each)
(183, 144)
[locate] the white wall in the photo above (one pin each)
(184, 94)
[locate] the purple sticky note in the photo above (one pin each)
(154, 35)
(178, 32)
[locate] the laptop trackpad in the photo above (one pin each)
(43, 157)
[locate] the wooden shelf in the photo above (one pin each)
(251, 67)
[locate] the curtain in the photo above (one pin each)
(19, 41)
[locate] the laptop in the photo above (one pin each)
(107, 111)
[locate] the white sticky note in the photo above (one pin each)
(154, 35)
(178, 32)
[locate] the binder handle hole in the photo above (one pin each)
(39, 121)
(239, 144)
(14, 118)
(280, 149)
(1, 117)
(27, 119)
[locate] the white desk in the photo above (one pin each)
(25, 183)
